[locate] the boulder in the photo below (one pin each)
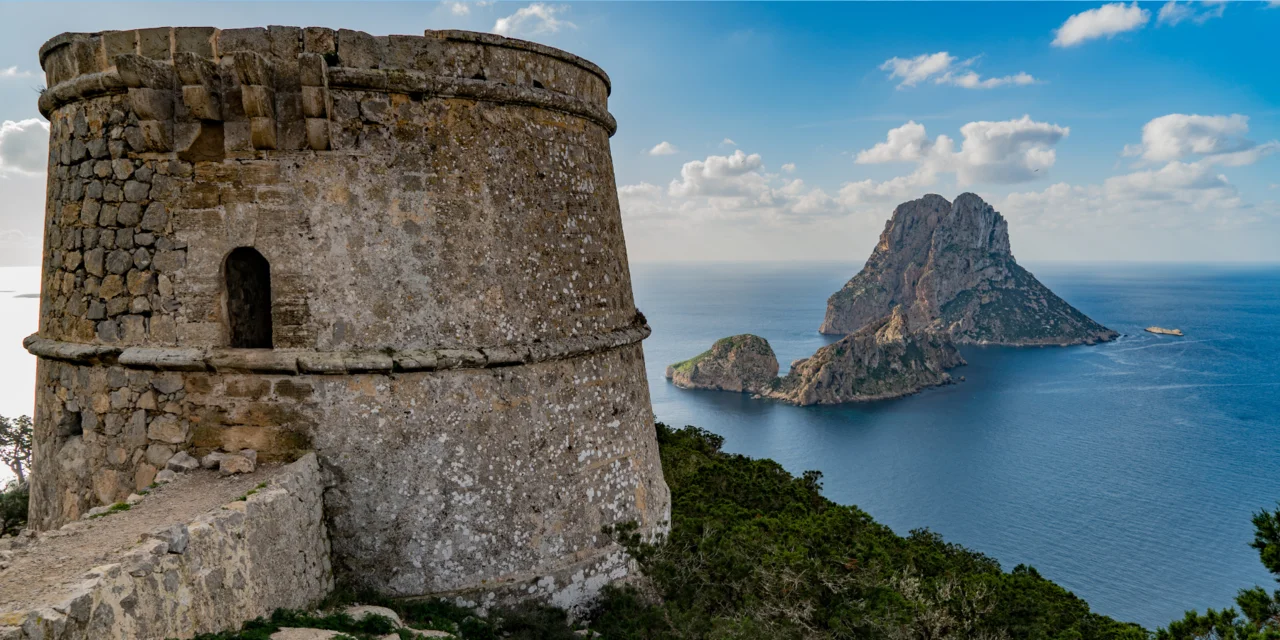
(182, 462)
(232, 463)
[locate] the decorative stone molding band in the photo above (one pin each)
(297, 361)
(105, 83)
(419, 82)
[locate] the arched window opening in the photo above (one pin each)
(247, 277)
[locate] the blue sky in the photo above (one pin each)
(1102, 131)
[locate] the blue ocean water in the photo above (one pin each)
(1126, 472)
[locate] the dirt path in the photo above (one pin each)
(41, 572)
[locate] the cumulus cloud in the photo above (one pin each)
(733, 175)
(535, 19)
(1218, 139)
(1178, 194)
(13, 72)
(24, 146)
(726, 187)
(917, 69)
(943, 68)
(1106, 21)
(1174, 12)
(663, 148)
(1004, 152)
(728, 142)
(897, 189)
(789, 167)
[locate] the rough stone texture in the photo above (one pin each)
(744, 363)
(451, 306)
(951, 267)
(884, 359)
(229, 565)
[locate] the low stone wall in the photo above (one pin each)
(229, 565)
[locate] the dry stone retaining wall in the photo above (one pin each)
(227, 566)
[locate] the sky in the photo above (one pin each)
(789, 131)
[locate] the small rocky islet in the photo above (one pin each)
(942, 274)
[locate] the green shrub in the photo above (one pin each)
(756, 552)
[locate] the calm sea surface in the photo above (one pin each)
(1126, 472)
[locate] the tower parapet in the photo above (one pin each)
(402, 252)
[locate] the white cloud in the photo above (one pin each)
(1103, 22)
(971, 80)
(733, 187)
(1165, 183)
(730, 143)
(943, 68)
(1007, 151)
(907, 143)
(733, 175)
(13, 72)
(893, 190)
(1180, 193)
(917, 69)
(789, 167)
(663, 148)
(537, 18)
(1174, 12)
(1219, 139)
(24, 146)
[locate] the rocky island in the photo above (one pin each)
(950, 265)
(884, 359)
(743, 363)
(1164, 332)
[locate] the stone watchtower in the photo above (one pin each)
(404, 253)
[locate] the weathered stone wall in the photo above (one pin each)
(229, 565)
(451, 303)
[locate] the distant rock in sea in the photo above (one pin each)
(743, 363)
(1165, 332)
(950, 266)
(883, 359)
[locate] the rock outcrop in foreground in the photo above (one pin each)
(883, 359)
(950, 266)
(743, 363)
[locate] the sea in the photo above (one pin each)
(1126, 472)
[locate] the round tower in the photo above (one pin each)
(404, 253)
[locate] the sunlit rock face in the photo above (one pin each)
(950, 266)
(884, 359)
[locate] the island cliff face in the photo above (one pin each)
(743, 363)
(950, 266)
(883, 359)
